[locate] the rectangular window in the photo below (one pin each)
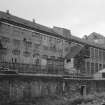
(5, 41)
(5, 28)
(45, 37)
(92, 52)
(96, 54)
(26, 53)
(88, 67)
(103, 65)
(103, 75)
(15, 60)
(16, 42)
(16, 52)
(100, 56)
(16, 31)
(27, 44)
(96, 67)
(92, 68)
(104, 56)
(100, 66)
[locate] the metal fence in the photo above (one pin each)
(32, 68)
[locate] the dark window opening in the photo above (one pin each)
(68, 60)
(15, 60)
(1, 46)
(12, 60)
(24, 39)
(103, 75)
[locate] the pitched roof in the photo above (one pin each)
(14, 19)
(95, 35)
(87, 42)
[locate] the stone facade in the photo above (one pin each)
(27, 88)
(24, 45)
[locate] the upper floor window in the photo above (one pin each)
(27, 43)
(5, 39)
(36, 46)
(5, 28)
(14, 60)
(16, 31)
(16, 52)
(100, 54)
(96, 52)
(16, 42)
(26, 53)
(45, 37)
(1, 46)
(58, 40)
(36, 35)
(92, 52)
(104, 56)
(87, 51)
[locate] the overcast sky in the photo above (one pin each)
(82, 17)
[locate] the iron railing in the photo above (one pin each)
(38, 69)
(32, 68)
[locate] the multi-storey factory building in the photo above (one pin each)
(29, 48)
(24, 42)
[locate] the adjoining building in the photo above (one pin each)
(96, 38)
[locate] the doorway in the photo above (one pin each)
(83, 90)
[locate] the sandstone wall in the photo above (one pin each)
(20, 88)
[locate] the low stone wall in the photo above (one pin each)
(4, 89)
(20, 88)
(32, 88)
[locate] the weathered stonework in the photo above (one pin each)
(20, 88)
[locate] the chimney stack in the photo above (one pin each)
(33, 20)
(7, 11)
(62, 31)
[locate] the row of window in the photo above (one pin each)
(92, 68)
(28, 45)
(97, 54)
(26, 53)
(15, 30)
(19, 30)
(48, 42)
(38, 61)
